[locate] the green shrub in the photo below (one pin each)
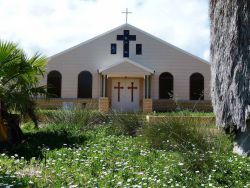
(83, 117)
(197, 144)
(73, 122)
(125, 124)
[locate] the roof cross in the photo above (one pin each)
(127, 12)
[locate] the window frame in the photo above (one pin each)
(162, 85)
(195, 80)
(88, 93)
(138, 49)
(54, 77)
(111, 48)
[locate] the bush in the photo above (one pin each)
(72, 122)
(125, 124)
(83, 117)
(197, 144)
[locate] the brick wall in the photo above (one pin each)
(171, 105)
(59, 103)
(147, 105)
(104, 105)
(203, 120)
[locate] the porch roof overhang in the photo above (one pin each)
(126, 68)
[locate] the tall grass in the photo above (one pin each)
(125, 124)
(71, 121)
(197, 144)
(173, 153)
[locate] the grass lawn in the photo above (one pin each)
(103, 155)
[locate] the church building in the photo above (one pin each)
(126, 69)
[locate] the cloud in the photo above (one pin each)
(53, 26)
(206, 55)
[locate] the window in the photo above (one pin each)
(166, 85)
(54, 82)
(196, 87)
(138, 49)
(113, 48)
(85, 85)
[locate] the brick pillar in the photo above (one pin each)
(147, 105)
(104, 104)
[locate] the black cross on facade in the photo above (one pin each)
(132, 91)
(126, 38)
(119, 90)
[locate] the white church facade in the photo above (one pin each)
(126, 69)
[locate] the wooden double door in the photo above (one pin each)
(125, 95)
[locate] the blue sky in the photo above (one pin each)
(51, 26)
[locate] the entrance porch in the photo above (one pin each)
(126, 87)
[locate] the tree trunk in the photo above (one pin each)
(230, 58)
(242, 141)
(11, 133)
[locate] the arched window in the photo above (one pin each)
(54, 84)
(166, 86)
(85, 85)
(196, 87)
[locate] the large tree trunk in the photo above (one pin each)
(10, 132)
(230, 57)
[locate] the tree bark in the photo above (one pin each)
(242, 142)
(230, 58)
(12, 124)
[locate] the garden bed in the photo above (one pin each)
(122, 151)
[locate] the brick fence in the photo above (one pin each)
(171, 105)
(199, 120)
(158, 105)
(67, 103)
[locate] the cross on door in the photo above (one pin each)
(119, 87)
(132, 91)
(126, 38)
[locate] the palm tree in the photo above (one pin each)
(230, 57)
(19, 79)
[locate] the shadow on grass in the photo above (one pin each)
(10, 181)
(35, 142)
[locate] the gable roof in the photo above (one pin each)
(126, 66)
(87, 41)
(137, 29)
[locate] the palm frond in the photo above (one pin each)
(19, 77)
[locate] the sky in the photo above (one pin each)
(51, 26)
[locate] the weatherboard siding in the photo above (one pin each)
(157, 55)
